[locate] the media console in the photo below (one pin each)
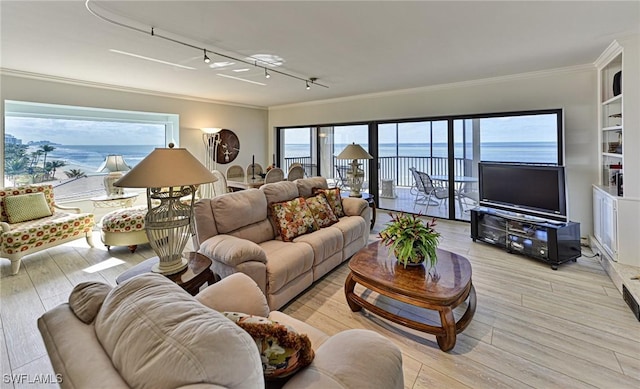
(551, 241)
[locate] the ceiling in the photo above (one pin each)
(353, 47)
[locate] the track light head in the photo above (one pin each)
(308, 86)
(206, 59)
(266, 73)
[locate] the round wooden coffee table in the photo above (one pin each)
(373, 268)
(197, 273)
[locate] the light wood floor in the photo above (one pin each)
(533, 327)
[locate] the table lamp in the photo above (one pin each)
(355, 176)
(116, 165)
(168, 174)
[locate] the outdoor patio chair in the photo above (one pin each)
(427, 193)
(343, 182)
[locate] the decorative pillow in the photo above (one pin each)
(293, 218)
(283, 351)
(321, 210)
(86, 298)
(334, 199)
(25, 207)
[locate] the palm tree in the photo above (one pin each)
(53, 165)
(35, 158)
(75, 173)
(45, 149)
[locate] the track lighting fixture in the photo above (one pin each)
(253, 62)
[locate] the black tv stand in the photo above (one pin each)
(551, 241)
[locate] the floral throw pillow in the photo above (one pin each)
(293, 218)
(321, 210)
(334, 199)
(282, 350)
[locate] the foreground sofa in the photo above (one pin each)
(236, 230)
(149, 333)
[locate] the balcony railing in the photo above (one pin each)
(392, 168)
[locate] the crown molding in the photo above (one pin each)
(453, 85)
(119, 88)
(608, 54)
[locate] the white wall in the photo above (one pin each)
(250, 124)
(573, 89)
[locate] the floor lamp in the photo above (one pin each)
(168, 174)
(355, 176)
(211, 140)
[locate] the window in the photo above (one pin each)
(447, 149)
(60, 144)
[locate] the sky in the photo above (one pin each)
(529, 128)
(82, 132)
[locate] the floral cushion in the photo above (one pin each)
(46, 190)
(334, 199)
(321, 210)
(293, 218)
(35, 233)
(282, 350)
(25, 207)
(124, 220)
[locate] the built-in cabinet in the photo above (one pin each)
(616, 196)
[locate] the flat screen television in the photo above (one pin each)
(536, 190)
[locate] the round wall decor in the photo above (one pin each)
(228, 147)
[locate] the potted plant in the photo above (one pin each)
(411, 239)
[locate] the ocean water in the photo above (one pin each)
(90, 157)
(531, 152)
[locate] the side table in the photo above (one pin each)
(370, 200)
(197, 273)
(119, 201)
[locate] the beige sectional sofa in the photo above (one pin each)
(237, 232)
(149, 333)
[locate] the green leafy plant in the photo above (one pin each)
(411, 239)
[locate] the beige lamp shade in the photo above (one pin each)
(167, 167)
(114, 163)
(354, 151)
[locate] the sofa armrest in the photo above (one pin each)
(5, 227)
(231, 250)
(235, 293)
(67, 209)
(352, 359)
(354, 206)
(75, 351)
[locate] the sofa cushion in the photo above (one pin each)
(158, 336)
(282, 350)
(321, 210)
(293, 218)
(286, 262)
(86, 298)
(235, 210)
(334, 199)
(47, 190)
(306, 185)
(25, 207)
